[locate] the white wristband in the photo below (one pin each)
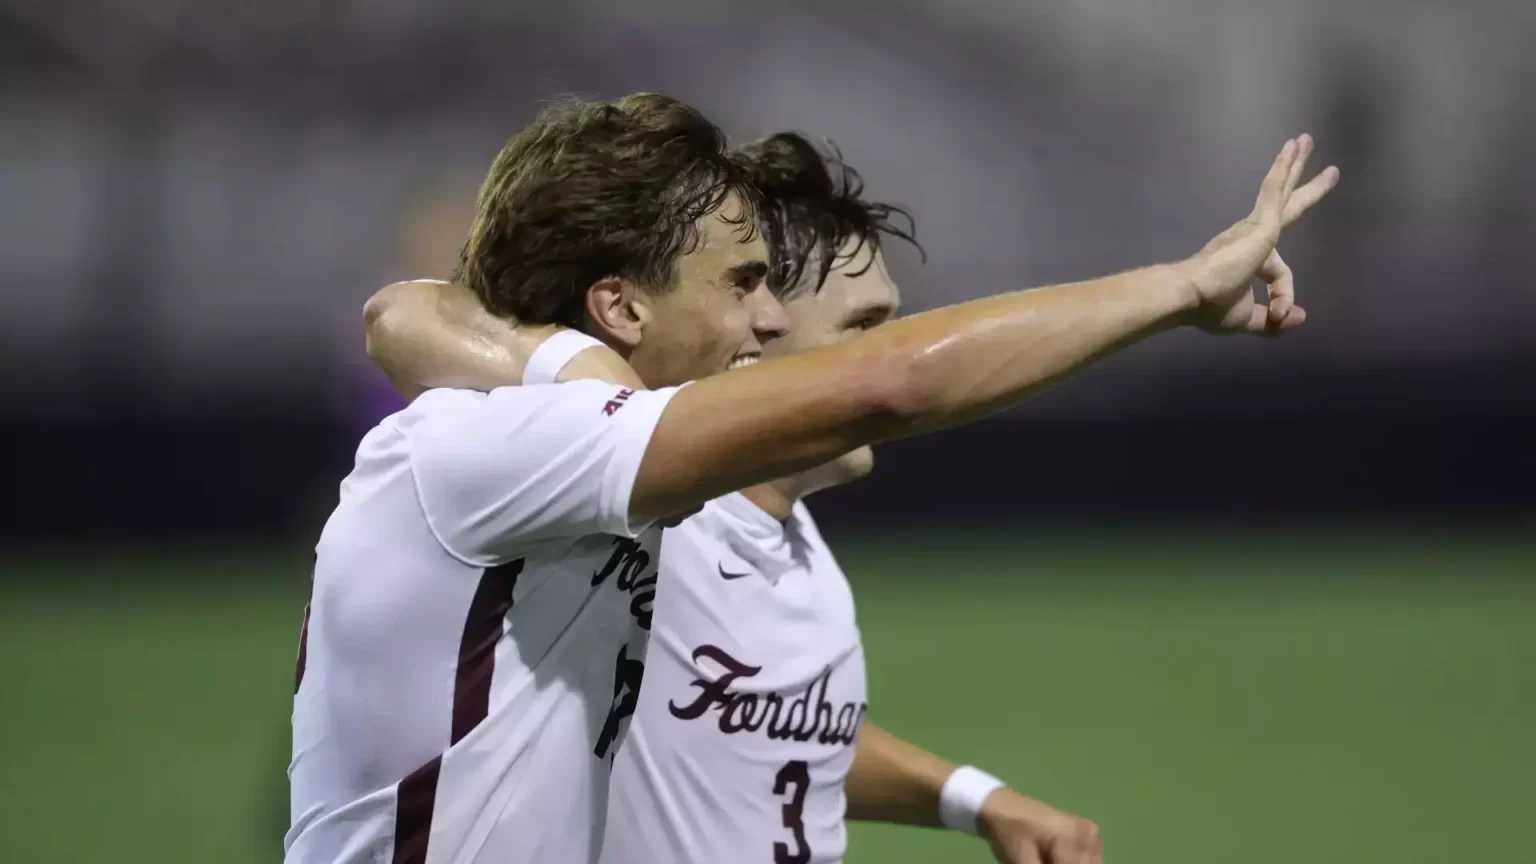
(961, 798)
(546, 361)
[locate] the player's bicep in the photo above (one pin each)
(497, 471)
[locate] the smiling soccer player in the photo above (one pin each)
(754, 697)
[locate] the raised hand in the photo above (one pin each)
(1221, 274)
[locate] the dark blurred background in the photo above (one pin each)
(1246, 583)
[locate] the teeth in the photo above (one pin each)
(742, 362)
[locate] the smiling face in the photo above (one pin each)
(858, 295)
(630, 221)
(719, 314)
(822, 238)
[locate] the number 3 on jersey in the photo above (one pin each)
(794, 780)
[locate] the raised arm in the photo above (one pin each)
(952, 365)
(918, 374)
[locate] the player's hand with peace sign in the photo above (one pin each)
(1221, 274)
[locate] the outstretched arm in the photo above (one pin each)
(894, 781)
(918, 374)
(956, 364)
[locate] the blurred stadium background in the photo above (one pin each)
(1238, 602)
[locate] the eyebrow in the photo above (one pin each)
(750, 271)
(881, 310)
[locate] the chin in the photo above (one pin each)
(855, 465)
(844, 469)
(864, 461)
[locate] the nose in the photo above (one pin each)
(769, 320)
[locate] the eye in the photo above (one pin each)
(744, 279)
(868, 317)
(742, 287)
(868, 321)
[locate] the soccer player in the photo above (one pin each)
(482, 592)
(745, 728)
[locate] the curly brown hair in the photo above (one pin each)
(591, 190)
(812, 204)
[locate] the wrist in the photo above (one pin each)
(963, 796)
(999, 812)
(1180, 289)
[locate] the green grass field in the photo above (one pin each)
(1258, 699)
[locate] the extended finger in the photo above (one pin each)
(1299, 164)
(1272, 192)
(1306, 197)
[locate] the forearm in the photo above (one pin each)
(967, 361)
(893, 781)
(919, 374)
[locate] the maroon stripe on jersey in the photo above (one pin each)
(415, 797)
(477, 649)
(298, 676)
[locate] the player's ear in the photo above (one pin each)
(616, 308)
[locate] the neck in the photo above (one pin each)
(777, 499)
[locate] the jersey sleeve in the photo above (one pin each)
(497, 471)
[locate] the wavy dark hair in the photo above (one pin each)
(590, 190)
(812, 204)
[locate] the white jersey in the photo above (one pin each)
(754, 695)
(477, 631)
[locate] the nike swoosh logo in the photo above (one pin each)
(727, 575)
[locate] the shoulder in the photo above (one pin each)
(529, 463)
(530, 429)
(446, 410)
(443, 401)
